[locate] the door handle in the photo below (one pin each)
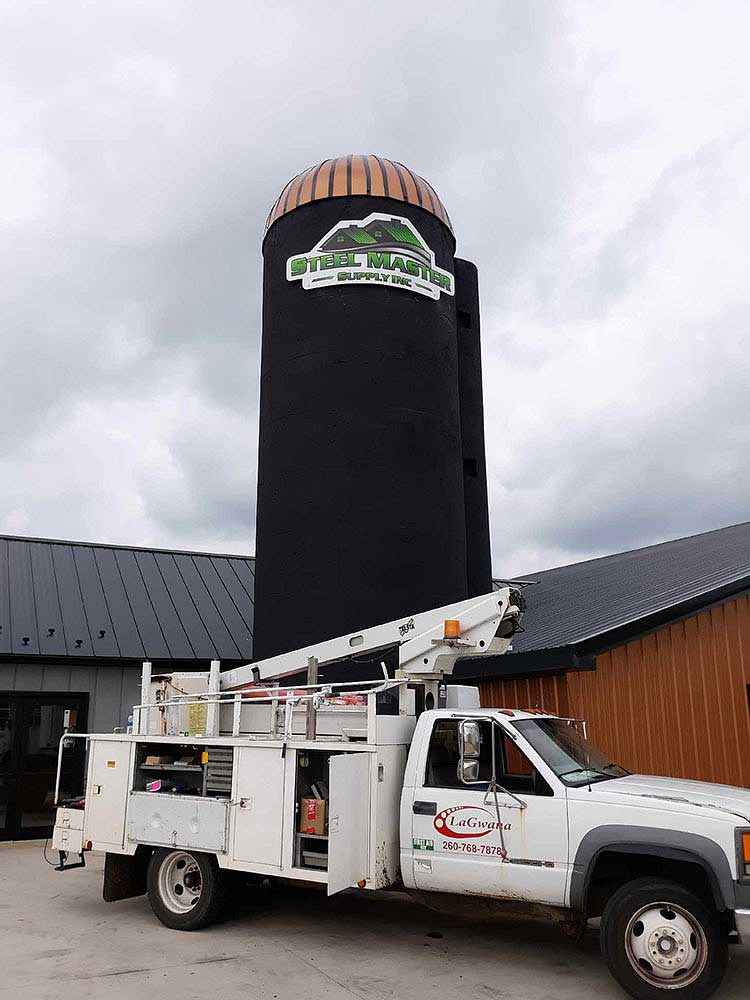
(424, 808)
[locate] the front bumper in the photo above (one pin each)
(742, 923)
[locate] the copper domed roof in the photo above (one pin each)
(352, 175)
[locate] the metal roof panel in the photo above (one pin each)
(207, 607)
(190, 617)
(225, 602)
(119, 602)
(4, 598)
(95, 603)
(46, 601)
(575, 603)
(24, 637)
(146, 622)
(75, 625)
(178, 643)
(125, 631)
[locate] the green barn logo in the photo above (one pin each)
(381, 249)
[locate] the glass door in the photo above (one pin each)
(8, 767)
(30, 731)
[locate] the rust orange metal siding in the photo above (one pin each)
(549, 693)
(674, 702)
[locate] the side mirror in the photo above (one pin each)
(469, 771)
(471, 738)
(469, 744)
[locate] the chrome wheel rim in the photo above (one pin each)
(666, 946)
(180, 882)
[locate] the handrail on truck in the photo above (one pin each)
(60, 748)
(315, 694)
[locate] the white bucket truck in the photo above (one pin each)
(406, 782)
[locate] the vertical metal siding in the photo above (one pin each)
(675, 702)
(549, 693)
(112, 690)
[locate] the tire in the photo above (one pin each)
(186, 889)
(660, 939)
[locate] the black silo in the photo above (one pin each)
(362, 484)
(478, 564)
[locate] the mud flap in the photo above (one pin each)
(124, 876)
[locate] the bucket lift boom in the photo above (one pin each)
(428, 643)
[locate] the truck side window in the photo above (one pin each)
(514, 770)
(442, 760)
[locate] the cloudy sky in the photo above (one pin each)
(595, 159)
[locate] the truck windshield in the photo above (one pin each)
(562, 746)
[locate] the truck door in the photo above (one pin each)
(458, 845)
(260, 801)
(107, 792)
(536, 840)
(349, 820)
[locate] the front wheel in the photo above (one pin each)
(185, 889)
(657, 937)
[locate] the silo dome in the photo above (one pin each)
(369, 176)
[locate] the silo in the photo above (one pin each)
(362, 504)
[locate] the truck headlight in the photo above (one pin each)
(743, 855)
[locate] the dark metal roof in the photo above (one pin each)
(589, 606)
(90, 600)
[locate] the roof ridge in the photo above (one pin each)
(126, 548)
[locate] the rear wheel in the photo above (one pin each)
(657, 936)
(185, 889)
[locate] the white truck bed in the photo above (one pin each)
(255, 827)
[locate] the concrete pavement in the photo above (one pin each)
(60, 941)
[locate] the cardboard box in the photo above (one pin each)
(313, 816)
(158, 759)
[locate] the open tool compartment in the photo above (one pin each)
(312, 801)
(180, 795)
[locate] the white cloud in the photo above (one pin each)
(594, 159)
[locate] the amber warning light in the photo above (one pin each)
(451, 628)
(746, 852)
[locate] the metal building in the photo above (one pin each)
(651, 647)
(76, 622)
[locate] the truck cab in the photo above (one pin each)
(519, 806)
(507, 840)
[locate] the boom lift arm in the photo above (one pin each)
(429, 643)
